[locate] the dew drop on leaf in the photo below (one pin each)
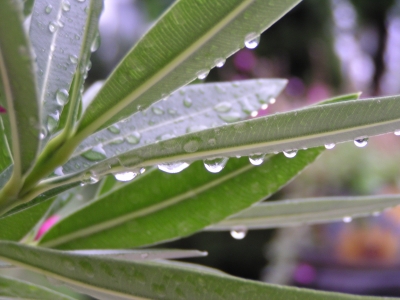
(220, 62)
(191, 146)
(174, 167)
(62, 97)
(215, 165)
(252, 40)
(239, 232)
(66, 6)
(48, 9)
(257, 159)
(114, 129)
(42, 133)
(223, 107)
(202, 74)
(187, 102)
(73, 59)
(290, 153)
(89, 178)
(330, 146)
(134, 138)
(230, 117)
(96, 43)
(361, 141)
(95, 154)
(347, 219)
(52, 27)
(157, 110)
(397, 132)
(272, 101)
(125, 176)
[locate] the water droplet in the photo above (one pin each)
(215, 165)
(361, 141)
(89, 178)
(62, 96)
(66, 6)
(51, 124)
(330, 146)
(219, 63)
(157, 110)
(174, 167)
(195, 128)
(376, 213)
(272, 101)
(73, 59)
(191, 146)
(257, 159)
(231, 117)
(134, 138)
(142, 170)
(172, 111)
(187, 102)
(114, 129)
(202, 74)
(254, 114)
(347, 219)
(52, 27)
(96, 43)
(239, 232)
(81, 1)
(42, 133)
(223, 107)
(264, 106)
(290, 153)
(252, 40)
(125, 176)
(397, 132)
(89, 66)
(48, 9)
(59, 171)
(95, 154)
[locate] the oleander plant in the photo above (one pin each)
(91, 177)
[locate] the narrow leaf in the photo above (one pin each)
(18, 92)
(151, 280)
(11, 288)
(306, 211)
(192, 108)
(190, 39)
(160, 206)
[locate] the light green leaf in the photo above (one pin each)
(159, 206)
(5, 152)
(192, 108)
(11, 288)
(56, 31)
(151, 280)
(14, 226)
(189, 39)
(306, 211)
(18, 92)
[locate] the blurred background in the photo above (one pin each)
(324, 48)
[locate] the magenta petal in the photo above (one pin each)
(46, 226)
(2, 110)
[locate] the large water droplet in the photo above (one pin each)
(397, 132)
(66, 6)
(187, 102)
(125, 176)
(59, 171)
(51, 124)
(52, 27)
(330, 146)
(62, 96)
(42, 133)
(191, 146)
(223, 107)
(48, 9)
(290, 153)
(202, 74)
(257, 159)
(361, 141)
(195, 128)
(239, 232)
(272, 101)
(114, 129)
(347, 219)
(252, 40)
(215, 165)
(96, 43)
(231, 117)
(174, 167)
(73, 59)
(89, 178)
(95, 154)
(219, 63)
(134, 138)
(157, 110)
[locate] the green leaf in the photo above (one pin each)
(307, 211)
(159, 206)
(192, 108)
(150, 280)
(190, 38)
(14, 226)
(18, 92)
(57, 30)
(5, 151)
(17, 289)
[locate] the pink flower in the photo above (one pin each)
(2, 110)
(46, 226)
